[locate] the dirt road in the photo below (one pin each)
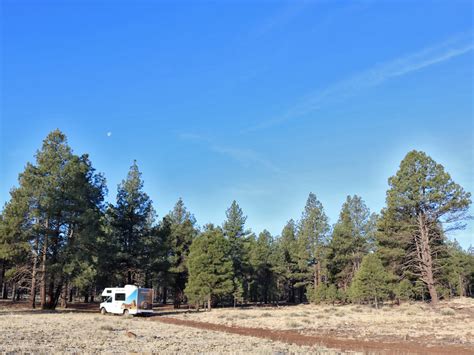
(296, 338)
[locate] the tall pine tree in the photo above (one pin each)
(312, 238)
(131, 220)
(182, 232)
(422, 203)
(352, 238)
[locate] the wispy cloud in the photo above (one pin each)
(375, 76)
(282, 16)
(246, 157)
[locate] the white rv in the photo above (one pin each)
(127, 300)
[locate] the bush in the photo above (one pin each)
(404, 290)
(342, 295)
(292, 324)
(317, 295)
(331, 295)
(107, 327)
(448, 311)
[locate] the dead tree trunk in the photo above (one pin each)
(426, 259)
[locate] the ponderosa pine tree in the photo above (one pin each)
(15, 249)
(311, 243)
(263, 279)
(235, 232)
(457, 270)
(286, 260)
(54, 210)
(182, 232)
(423, 202)
(371, 282)
(210, 267)
(352, 238)
(131, 220)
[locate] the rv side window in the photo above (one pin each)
(120, 296)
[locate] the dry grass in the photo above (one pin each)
(451, 323)
(81, 332)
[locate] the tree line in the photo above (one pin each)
(60, 240)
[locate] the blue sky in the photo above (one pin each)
(257, 101)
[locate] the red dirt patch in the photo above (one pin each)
(292, 337)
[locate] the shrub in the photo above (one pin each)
(404, 290)
(448, 311)
(317, 295)
(292, 324)
(331, 294)
(107, 327)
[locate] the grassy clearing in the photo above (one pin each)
(75, 332)
(451, 323)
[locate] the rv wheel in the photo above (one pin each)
(103, 311)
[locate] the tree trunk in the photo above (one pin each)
(33, 274)
(461, 286)
(318, 268)
(426, 262)
(316, 283)
(165, 294)
(14, 292)
(64, 295)
(5, 290)
(209, 303)
(2, 277)
(43, 267)
(376, 303)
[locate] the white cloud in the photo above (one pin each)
(375, 76)
(246, 157)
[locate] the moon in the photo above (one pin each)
(109, 134)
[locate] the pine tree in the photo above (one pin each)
(235, 232)
(261, 262)
(422, 202)
(286, 260)
(352, 238)
(182, 232)
(371, 282)
(403, 290)
(54, 210)
(311, 243)
(210, 267)
(131, 221)
(457, 270)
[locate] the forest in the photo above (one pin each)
(61, 242)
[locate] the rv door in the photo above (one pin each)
(119, 299)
